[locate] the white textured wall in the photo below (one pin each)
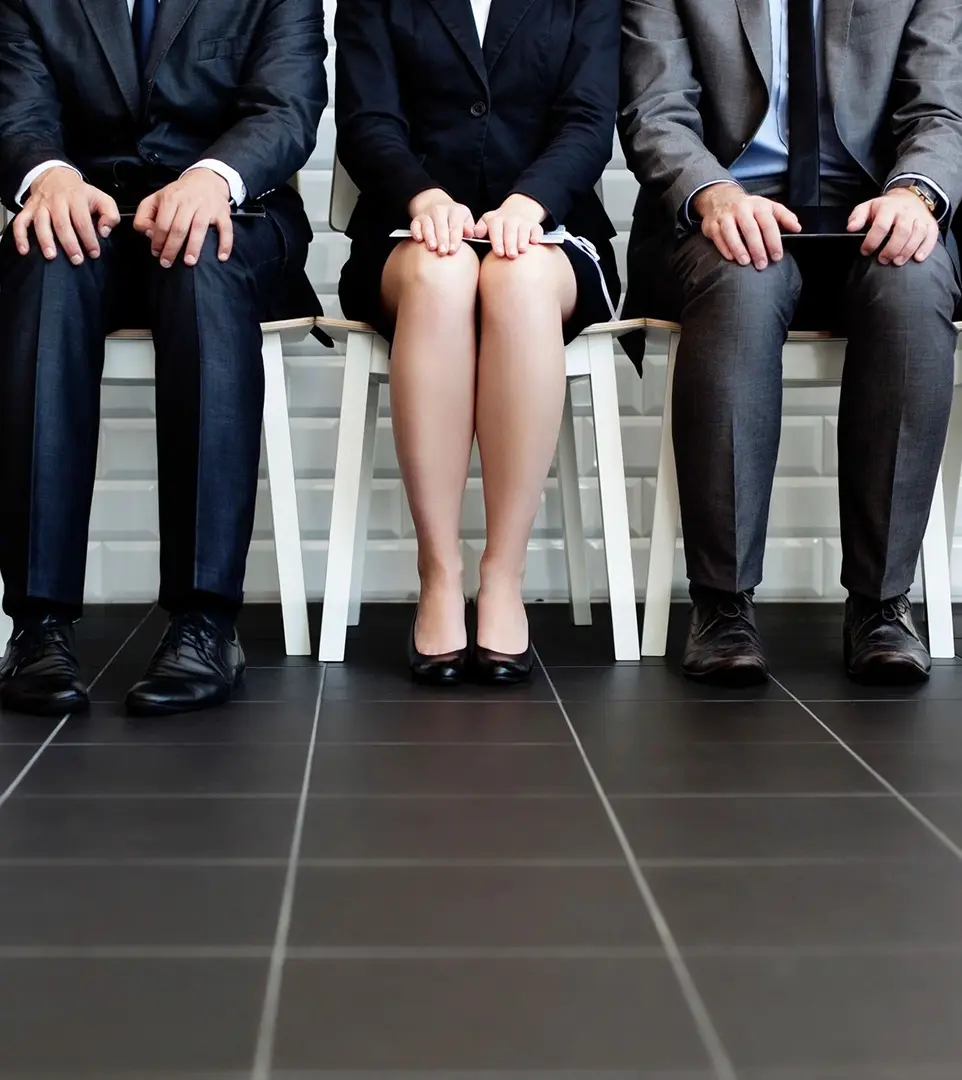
(803, 549)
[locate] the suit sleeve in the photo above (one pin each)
(282, 94)
(583, 114)
(373, 134)
(659, 122)
(30, 129)
(926, 97)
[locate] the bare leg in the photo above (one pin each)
(521, 387)
(433, 368)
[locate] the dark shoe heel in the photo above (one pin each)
(445, 670)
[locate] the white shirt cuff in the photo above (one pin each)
(37, 172)
(686, 218)
(238, 192)
(946, 205)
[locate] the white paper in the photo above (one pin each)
(556, 236)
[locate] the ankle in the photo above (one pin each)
(440, 576)
(500, 578)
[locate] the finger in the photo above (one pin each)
(83, 224)
(752, 235)
(733, 238)
(225, 231)
(496, 232)
(163, 221)
(713, 233)
(524, 237)
(458, 226)
(417, 231)
(195, 240)
(442, 228)
(146, 215)
(916, 238)
(881, 227)
(430, 235)
(860, 216)
(470, 228)
(43, 228)
(481, 229)
(512, 231)
(107, 211)
(63, 227)
(21, 229)
(771, 234)
(899, 237)
(177, 235)
(537, 234)
(928, 244)
(785, 218)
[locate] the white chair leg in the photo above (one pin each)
(347, 494)
(364, 498)
(572, 519)
(937, 580)
(280, 471)
(952, 468)
(6, 623)
(606, 420)
(664, 531)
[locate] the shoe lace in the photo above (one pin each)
(186, 631)
(37, 639)
(893, 610)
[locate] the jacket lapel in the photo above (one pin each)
(111, 24)
(757, 25)
(458, 18)
(838, 20)
(171, 16)
(503, 20)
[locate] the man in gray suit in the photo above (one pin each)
(732, 165)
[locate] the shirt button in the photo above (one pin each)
(478, 109)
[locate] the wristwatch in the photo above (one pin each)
(922, 191)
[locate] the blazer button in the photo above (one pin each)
(478, 109)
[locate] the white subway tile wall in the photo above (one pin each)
(803, 557)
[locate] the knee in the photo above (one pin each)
(450, 279)
(742, 291)
(512, 282)
(908, 290)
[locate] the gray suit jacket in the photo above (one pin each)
(696, 77)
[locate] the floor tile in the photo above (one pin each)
(146, 905)
(928, 720)
(496, 828)
(470, 906)
(649, 681)
(945, 812)
(486, 1014)
(130, 1015)
(775, 827)
(429, 722)
(812, 1013)
(830, 683)
(146, 828)
(441, 770)
(13, 759)
(728, 768)
(16, 729)
(923, 768)
(365, 680)
(843, 906)
(167, 770)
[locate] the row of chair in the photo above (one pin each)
(810, 360)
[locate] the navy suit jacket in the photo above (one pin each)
(421, 104)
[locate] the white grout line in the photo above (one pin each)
(939, 835)
(264, 1055)
(718, 1055)
(19, 778)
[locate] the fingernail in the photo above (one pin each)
(223, 256)
(189, 260)
(776, 257)
(94, 253)
(744, 260)
(49, 252)
(105, 231)
(884, 262)
(76, 259)
(150, 234)
(899, 261)
(23, 250)
(165, 263)
(761, 264)
(443, 249)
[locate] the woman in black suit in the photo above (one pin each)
(468, 121)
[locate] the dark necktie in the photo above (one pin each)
(143, 21)
(803, 157)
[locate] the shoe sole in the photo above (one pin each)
(890, 674)
(737, 677)
(145, 711)
(72, 706)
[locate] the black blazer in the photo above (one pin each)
(420, 104)
(238, 80)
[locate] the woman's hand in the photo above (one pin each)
(513, 227)
(438, 222)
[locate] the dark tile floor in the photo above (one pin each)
(609, 874)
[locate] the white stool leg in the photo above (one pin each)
(664, 531)
(280, 471)
(952, 468)
(569, 490)
(606, 420)
(937, 580)
(364, 498)
(6, 624)
(347, 495)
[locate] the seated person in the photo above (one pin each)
(736, 130)
(126, 136)
(467, 122)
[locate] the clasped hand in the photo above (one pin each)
(63, 207)
(442, 224)
(747, 229)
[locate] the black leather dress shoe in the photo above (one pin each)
(39, 674)
(723, 645)
(196, 666)
(503, 669)
(882, 644)
(445, 670)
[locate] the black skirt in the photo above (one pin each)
(360, 287)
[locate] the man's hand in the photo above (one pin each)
(438, 222)
(513, 227)
(182, 213)
(746, 229)
(913, 228)
(62, 207)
